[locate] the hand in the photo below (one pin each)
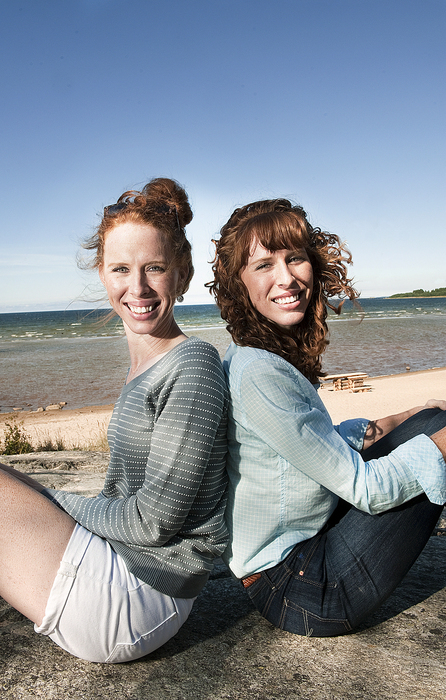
(435, 403)
(376, 429)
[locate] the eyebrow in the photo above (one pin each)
(262, 259)
(155, 261)
(265, 258)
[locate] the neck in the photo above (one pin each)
(146, 350)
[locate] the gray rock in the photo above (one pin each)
(227, 651)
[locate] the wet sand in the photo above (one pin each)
(86, 427)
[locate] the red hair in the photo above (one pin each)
(163, 204)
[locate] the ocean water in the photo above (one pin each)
(73, 356)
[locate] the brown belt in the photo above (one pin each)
(249, 580)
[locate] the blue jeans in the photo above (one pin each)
(328, 584)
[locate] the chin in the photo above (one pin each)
(288, 324)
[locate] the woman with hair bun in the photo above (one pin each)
(112, 578)
(324, 521)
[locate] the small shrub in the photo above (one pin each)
(16, 441)
(50, 445)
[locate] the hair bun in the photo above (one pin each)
(164, 192)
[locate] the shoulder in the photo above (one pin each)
(192, 360)
(261, 368)
(240, 360)
(197, 346)
(195, 353)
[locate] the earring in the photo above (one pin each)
(180, 298)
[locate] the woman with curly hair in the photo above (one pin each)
(324, 520)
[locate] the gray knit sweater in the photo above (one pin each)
(163, 501)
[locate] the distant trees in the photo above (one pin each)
(439, 292)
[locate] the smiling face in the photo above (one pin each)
(140, 285)
(279, 283)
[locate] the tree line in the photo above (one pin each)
(439, 292)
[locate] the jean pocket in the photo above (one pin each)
(267, 591)
(298, 620)
(258, 590)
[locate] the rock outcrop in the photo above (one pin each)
(227, 651)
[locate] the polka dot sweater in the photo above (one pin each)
(162, 505)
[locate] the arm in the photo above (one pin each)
(188, 422)
(284, 410)
(376, 429)
(439, 438)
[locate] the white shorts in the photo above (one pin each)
(99, 611)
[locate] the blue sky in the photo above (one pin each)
(336, 104)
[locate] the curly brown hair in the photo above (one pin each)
(277, 225)
(163, 204)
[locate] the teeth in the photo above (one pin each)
(286, 300)
(140, 309)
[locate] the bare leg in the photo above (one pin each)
(22, 477)
(34, 534)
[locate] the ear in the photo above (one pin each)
(182, 276)
(101, 273)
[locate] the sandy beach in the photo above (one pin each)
(85, 428)
(82, 428)
(388, 395)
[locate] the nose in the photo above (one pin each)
(284, 276)
(139, 285)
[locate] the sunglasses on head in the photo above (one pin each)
(112, 209)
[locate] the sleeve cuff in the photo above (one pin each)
(426, 462)
(353, 431)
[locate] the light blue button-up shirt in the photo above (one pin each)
(288, 465)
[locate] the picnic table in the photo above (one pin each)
(353, 381)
